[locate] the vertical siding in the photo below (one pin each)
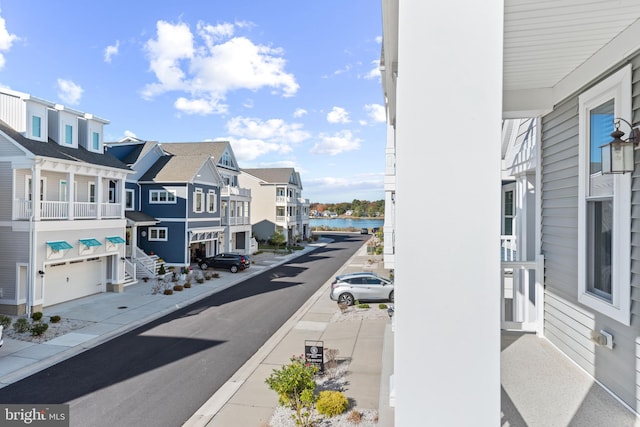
(10, 254)
(568, 324)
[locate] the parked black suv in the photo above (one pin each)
(229, 260)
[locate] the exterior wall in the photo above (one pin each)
(263, 206)
(8, 149)
(171, 251)
(10, 255)
(568, 324)
(6, 188)
(12, 112)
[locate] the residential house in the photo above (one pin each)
(173, 210)
(277, 203)
(62, 222)
(572, 68)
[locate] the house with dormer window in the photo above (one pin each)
(184, 201)
(62, 223)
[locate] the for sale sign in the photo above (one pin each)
(314, 353)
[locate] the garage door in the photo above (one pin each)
(71, 280)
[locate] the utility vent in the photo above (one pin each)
(602, 338)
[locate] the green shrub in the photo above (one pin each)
(38, 328)
(331, 403)
(5, 321)
(168, 292)
(364, 305)
(36, 316)
(295, 385)
(178, 288)
(187, 284)
(382, 306)
(55, 319)
(21, 325)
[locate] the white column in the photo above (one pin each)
(449, 102)
(71, 195)
(99, 196)
(36, 203)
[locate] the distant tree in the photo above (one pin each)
(277, 239)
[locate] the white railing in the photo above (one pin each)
(235, 191)
(50, 209)
(130, 268)
(236, 220)
(85, 210)
(508, 249)
(522, 291)
(149, 265)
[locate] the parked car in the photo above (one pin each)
(364, 231)
(363, 286)
(228, 260)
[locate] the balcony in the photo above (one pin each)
(57, 210)
(228, 191)
(236, 220)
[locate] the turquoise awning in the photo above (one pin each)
(90, 242)
(116, 240)
(59, 245)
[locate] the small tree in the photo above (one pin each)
(295, 385)
(277, 239)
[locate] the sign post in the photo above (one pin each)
(314, 354)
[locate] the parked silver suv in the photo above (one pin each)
(363, 286)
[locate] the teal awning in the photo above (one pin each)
(59, 245)
(90, 242)
(116, 240)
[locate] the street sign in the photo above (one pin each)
(314, 353)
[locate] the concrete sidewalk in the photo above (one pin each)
(244, 399)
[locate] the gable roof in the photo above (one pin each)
(182, 161)
(274, 175)
(55, 151)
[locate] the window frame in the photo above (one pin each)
(158, 231)
(617, 87)
(212, 202)
(68, 134)
(198, 201)
(36, 131)
(167, 200)
(128, 192)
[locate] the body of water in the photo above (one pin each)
(346, 222)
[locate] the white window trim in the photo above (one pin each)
(172, 202)
(133, 200)
(211, 198)
(617, 86)
(158, 230)
(91, 185)
(198, 195)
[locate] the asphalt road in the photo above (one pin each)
(161, 373)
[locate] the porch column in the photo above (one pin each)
(99, 196)
(447, 263)
(71, 195)
(36, 202)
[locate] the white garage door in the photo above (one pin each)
(64, 282)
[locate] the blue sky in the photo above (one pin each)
(289, 83)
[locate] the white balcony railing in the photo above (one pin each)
(236, 220)
(235, 191)
(23, 209)
(508, 249)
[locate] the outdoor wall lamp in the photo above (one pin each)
(617, 155)
(41, 273)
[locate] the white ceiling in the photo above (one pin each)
(550, 42)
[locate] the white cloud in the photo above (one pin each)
(249, 149)
(299, 112)
(376, 112)
(379, 39)
(69, 92)
(220, 63)
(336, 144)
(338, 115)
(130, 134)
(273, 130)
(111, 51)
(6, 41)
(200, 106)
(374, 73)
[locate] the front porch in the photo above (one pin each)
(540, 386)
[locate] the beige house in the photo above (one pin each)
(277, 203)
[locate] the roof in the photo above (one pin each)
(273, 175)
(137, 216)
(53, 150)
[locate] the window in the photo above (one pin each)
(92, 192)
(280, 191)
(507, 211)
(211, 201)
(95, 140)
(162, 196)
(158, 234)
(128, 200)
(198, 203)
(604, 210)
(29, 195)
(36, 126)
(63, 191)
(68, 134)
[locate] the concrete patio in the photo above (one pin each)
(540, 386)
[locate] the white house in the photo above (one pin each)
(62, 223)
(452, 73)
